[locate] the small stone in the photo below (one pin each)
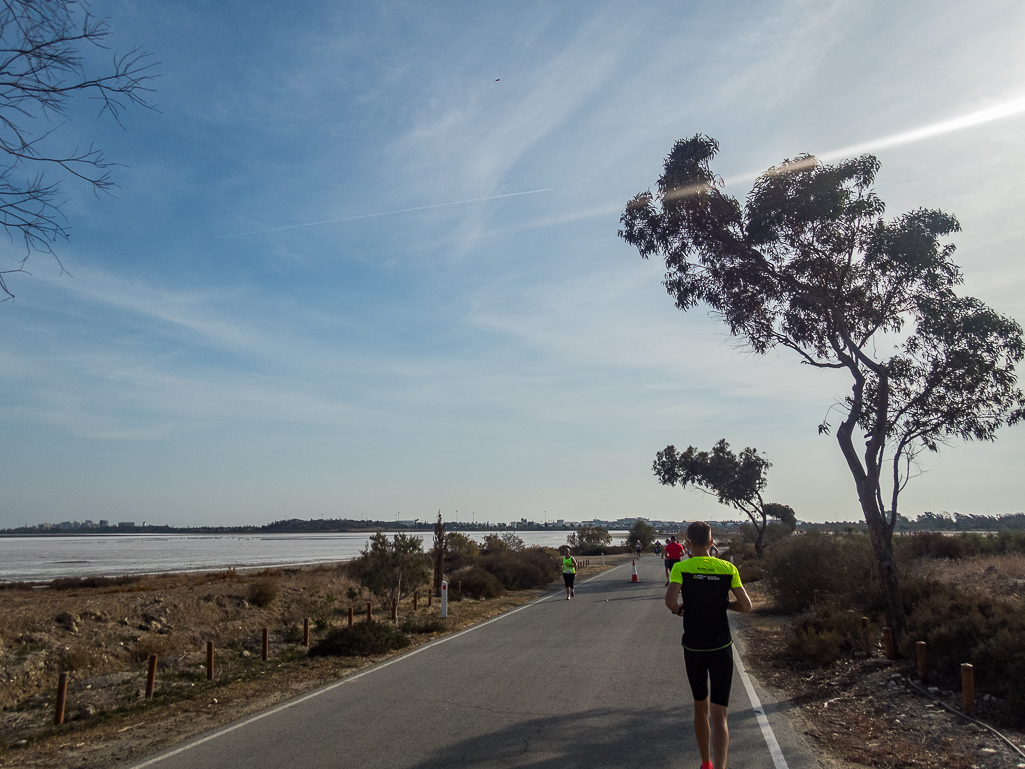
(933, 690)
(878, 662)
(987, 751)
(213, 701)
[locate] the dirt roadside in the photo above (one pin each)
(858, 712)
(866, 711)
(104, 635)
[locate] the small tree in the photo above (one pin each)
(736, 480)
(642, 532)
(512, 541)
(493, 543)
(388, 569)
(458, 545)
(43, 66)
(588, 538)
(809, 263)
(439, 554)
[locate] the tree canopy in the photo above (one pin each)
(808, 262)
(736, 480)
(589, 538)
(44, 65)
(642, 532)
(391, 569)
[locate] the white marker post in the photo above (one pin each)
(444, 599)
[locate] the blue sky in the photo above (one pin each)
(248, 332)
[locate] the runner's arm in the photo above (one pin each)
(743, 602)
(672, 596)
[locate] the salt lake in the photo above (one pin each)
(38, 559)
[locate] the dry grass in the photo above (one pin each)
(106, 634)
(999, 576)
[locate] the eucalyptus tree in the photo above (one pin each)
(809, 263)
(736, 480)
(50, 54)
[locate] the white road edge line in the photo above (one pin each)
(756, 704)
(331, 687)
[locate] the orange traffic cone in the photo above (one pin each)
(634, 577)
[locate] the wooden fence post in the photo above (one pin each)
(62, 697)
(265, 653)
(350, 616)
(920, 649)
(394, 609)
(370, 611)
(888, 643)
(430, 600)
(416, 601)
(306, 631)
(968, 688)
(864, 632)
(151, 678)
(209, 660)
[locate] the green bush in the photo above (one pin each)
(843, 568)
(959, 627)
(522, 570)
(361, 640)
(422, 624)
(478, 583)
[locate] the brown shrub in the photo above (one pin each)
(264, 591)
(827, 634)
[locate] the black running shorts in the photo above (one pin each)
(568, 579)
(715, 666)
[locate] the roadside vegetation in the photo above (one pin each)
(103, 630)
(964, 595)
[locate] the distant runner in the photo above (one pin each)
(569, 571)
(705, 584)
(674, 552)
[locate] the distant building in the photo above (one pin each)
(103, 523)
(126, 524)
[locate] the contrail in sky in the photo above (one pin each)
(386, 213)
(1006, 109)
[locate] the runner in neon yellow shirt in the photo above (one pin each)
(699, 591)
(569, 571)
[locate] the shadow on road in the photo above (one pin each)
(619, 736)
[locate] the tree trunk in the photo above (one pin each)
(889, 584)
(880, 534)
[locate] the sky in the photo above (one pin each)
(362, 260)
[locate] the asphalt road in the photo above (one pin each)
(597, 681)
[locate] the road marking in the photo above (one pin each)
(756, 704)
(331, 687)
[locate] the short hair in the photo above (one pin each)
(699, 533)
